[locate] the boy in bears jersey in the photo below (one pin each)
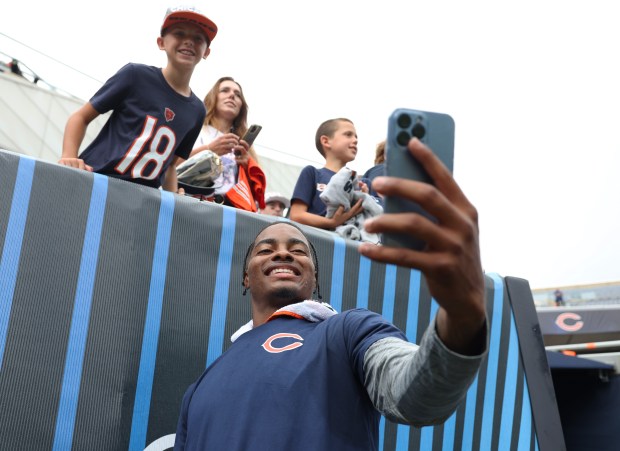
(301, 377)
(156, 117)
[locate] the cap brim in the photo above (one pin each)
(203, 22)
(281, 199)
(193, 189)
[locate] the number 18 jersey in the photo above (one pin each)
(150, 124)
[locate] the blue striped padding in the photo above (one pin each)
(498, 421)
(470, 416)
(470, 403)
(335, 296)
(510, 388)
(449, 428)
(493, 362)
(389, 288)
(363, 283)
(11, 250)
(426, 433)
(148, 354)
(450, 424)
(411, 330)
(389, 292)
(78, 332)
(525, 436)
(222, 282)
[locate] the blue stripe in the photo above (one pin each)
(493, 360)
(413, 306)
(411, 330)
(222, 283)
(402, 436)
(525, 433)
(389, 291)
(470, 416)
(11, 250)
(510, 388)
(335, 296)
(426, 437)
(434, 308)
(427, 432)
(78, 332)
(449, 428)
(381, 432)
(150, 338)
(363, 282)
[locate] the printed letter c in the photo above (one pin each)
(268, 344)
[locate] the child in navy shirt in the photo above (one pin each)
(156, 117)
(336, 140)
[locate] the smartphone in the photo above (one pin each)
(250, 136)
(436, 130)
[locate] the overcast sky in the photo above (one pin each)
(533, 86)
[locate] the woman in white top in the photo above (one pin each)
(225, 124)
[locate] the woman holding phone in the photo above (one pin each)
(242, 182)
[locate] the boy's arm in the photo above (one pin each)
(302, 197)
(75, 130)
(299, 213)
(170, 182)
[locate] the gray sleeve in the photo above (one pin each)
(418, 385)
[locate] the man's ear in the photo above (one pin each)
(246, 282)
(160, 42)
(204, 57)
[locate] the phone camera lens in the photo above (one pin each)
(404, 121)
(418, 131)
(403, 138)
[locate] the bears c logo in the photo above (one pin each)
(568, 321)
(269, 346)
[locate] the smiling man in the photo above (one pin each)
(300, 376)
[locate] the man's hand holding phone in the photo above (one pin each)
(450, 261)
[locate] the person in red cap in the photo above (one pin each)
(155, 118)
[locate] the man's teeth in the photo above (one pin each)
(282, 270)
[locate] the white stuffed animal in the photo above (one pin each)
(342, 189)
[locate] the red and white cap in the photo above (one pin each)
(191, 15)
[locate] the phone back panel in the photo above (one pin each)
(252, 133)
(436, 130)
